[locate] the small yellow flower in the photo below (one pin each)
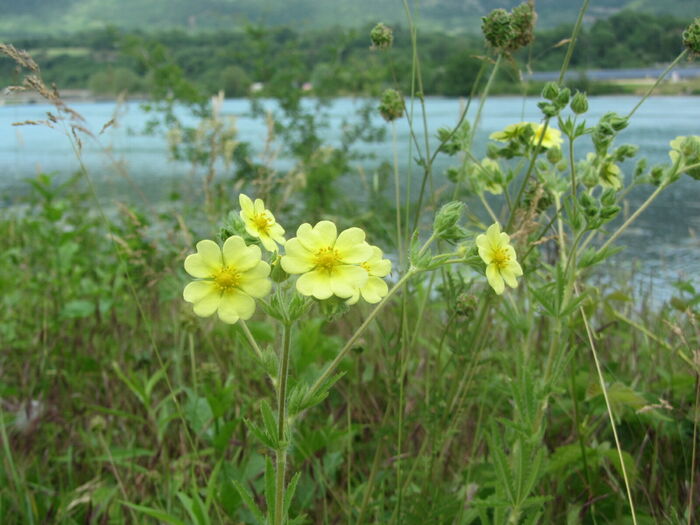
(259, 222)
(552, 137)
(375, 288)
(499, 256)
(229, 279)
(511, 132)
(327, 261)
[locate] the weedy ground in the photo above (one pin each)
(457, 405)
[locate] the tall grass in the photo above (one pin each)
(558, 401)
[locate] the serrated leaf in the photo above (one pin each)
(249, 501)
(289, 494)
(260, 434)
(270, 423)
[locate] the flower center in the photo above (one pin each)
(365, 265)
(326, 258)
(262, 222)
(500, 257)
(227, 278)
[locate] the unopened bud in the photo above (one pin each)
(446, 219)
(550, 91)
(579, 104)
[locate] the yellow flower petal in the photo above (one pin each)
(494, 278)
(236, 305)
(239, 256)
(374, 290)
(246, 204)
(316, 283)
(509, 277)
(196, 267)
(327, 232)
(206, 261)
(259, 206)
(208, 304)
(197, 290)
(297, 259)
(345, 278)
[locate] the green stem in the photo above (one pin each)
(604, 389)
(397, 196)
(633, 217)
(330, 369)
(479, 109)
(658, 81)
(572, 42)
(281, 456)
(251, 339)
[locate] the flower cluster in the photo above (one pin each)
(229, 279)
(344, 264)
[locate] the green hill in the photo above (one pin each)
(31, 17)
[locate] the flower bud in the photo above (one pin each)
(549, 110)
(381, 36)
(579, 104)
(550, 91)
(691, 37)
(563, 97)
(277, 274)
(391, 105)
(445, 224)
(554, 154)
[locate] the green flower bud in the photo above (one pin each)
(616, 122)
(608, 197)
(391, 105)
(549, 110)
(587, 202)
(626, 151)
(609, 212)
(277, 274)
(579, 104)
(550, 91)
(381, 36)
(589, 177)
(563, 97)
(554, 154)
(691, 37)
(446, 219)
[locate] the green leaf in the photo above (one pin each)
(160, 515)
(249, 501)
(270, 494)
(78, 309)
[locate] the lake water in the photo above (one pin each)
(663, 240)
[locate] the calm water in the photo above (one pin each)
(663, 241)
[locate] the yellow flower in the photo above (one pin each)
(260, 223)
(375, 288)
(510, 132)
(229, 279)
(327, 261)
(552, 137)
(499, 256)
